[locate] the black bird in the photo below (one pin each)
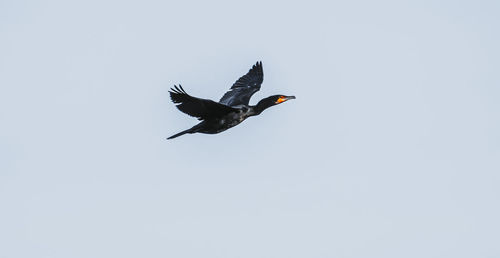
(232, 108)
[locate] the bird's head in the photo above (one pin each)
(272, 100)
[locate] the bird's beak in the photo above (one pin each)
(284, 98)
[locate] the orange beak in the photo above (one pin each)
(284, 98)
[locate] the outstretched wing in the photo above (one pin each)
(201, 108)
(243, 89)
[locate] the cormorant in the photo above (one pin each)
(233, 107)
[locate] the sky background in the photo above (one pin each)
(391, 149)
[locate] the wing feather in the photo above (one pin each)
(201, 108)
(243, 89)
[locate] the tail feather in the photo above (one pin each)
(179, 134)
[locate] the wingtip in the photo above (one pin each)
(257, 65)
(180, 86)
(177, 90)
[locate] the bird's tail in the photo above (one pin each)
(181, 133)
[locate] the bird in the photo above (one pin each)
(232, 109)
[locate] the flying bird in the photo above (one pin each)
(232, 108)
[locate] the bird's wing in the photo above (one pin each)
(200, 108)
(243, 89)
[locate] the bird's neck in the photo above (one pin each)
(262, 105)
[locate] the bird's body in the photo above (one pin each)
(220, 124)
(229, 120)
(232, 109)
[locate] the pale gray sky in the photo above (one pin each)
(391, 149)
